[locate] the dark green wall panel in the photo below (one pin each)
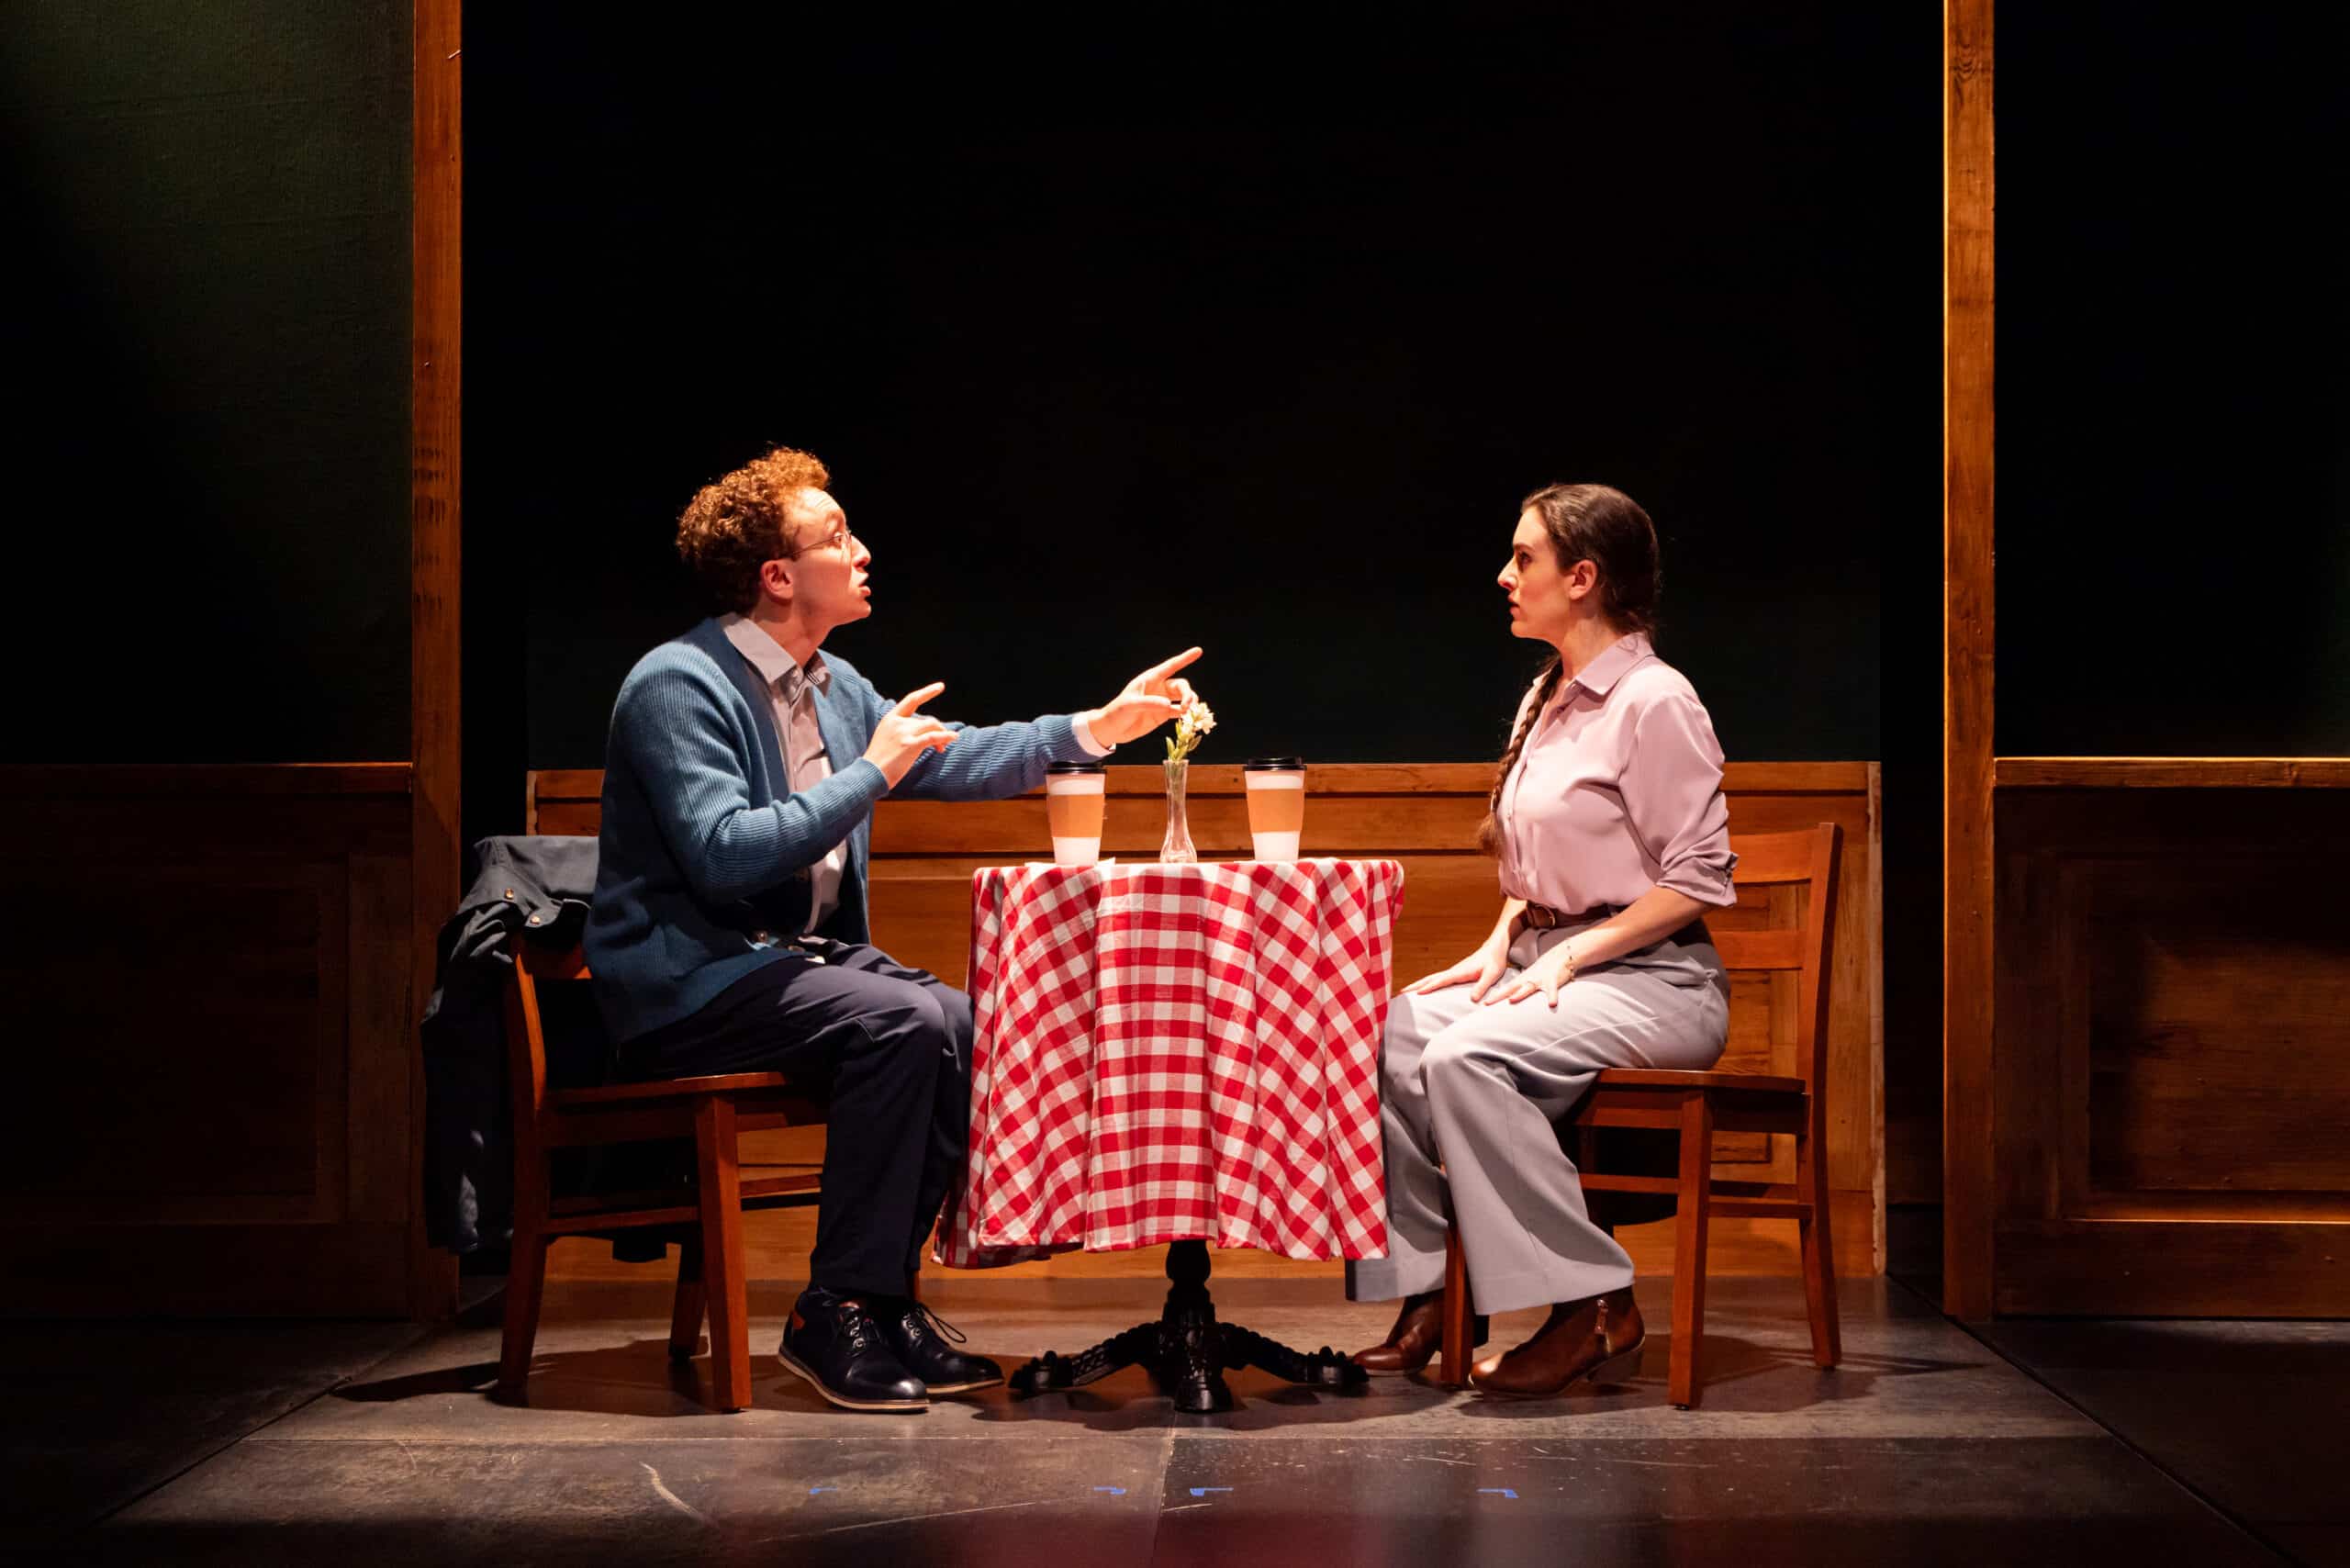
(208, 207)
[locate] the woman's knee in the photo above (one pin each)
(1459, 1059)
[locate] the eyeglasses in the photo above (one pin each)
(845, 539)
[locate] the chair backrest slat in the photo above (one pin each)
(1768, 859)
(1760, 949)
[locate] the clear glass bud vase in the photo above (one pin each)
(1176, 850)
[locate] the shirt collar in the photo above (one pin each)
(768, 656)
(1602, 673)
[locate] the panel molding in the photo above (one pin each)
(2167, 1144)
(166, 1173)
(2173, 773)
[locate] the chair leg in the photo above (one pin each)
(1818, 1256)
(723, 1287)
(685, 1317)
(526, 1280)
(1454, 1350)
(1695, 1200)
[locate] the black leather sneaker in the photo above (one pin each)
(920, 1337)
(835, 1343)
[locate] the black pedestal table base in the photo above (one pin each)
(1186, 1351)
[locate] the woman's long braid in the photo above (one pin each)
(1488, 833)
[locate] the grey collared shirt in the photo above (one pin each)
(791, 690)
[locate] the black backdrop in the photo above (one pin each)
(1205, 332)
(2174, 464)
(207, 348)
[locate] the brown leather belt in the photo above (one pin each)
(1543, 917)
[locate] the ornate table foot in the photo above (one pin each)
(1052, 1371)
(1187, 1351)
(1325, 1368)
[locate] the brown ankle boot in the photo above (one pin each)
(1599, 1339)
(1417, 1333)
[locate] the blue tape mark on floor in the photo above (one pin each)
(1502, 1490)
(1118, 1491)
(814, 1490)
(1203, 1491)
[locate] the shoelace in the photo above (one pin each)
(854, 1322)
(919, 1316)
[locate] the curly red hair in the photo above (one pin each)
(737, 522)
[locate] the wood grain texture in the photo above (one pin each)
(1968, 633)
(2174, 773)
(221, 975)
(2173, 1051)
(436, 326)
(1423, 817)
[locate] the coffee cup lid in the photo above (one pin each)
(1273, 764)
(1078, 768)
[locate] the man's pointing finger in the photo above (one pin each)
(916, 697)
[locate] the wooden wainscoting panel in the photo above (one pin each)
(205, 984)
(2200, 982)
(2172, 1050)
(1425, 816)
(217, 987)
(384, 1066)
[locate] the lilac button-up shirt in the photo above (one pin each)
(1618, 789)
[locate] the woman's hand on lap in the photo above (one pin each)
(1479, 970)
(1543, 977)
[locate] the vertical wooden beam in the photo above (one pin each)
(1967, 628)
(435, 234)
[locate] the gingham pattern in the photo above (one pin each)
(1166, 1052)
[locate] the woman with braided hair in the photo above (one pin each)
(1609, 822)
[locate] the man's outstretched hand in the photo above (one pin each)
(1150, 700)
(903, 734)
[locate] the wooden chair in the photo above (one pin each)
(709, 1110)
(1700, 1103)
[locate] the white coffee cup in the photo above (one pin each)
(1276, 805)
(1074, 806)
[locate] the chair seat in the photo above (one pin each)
(1663, 1078)
(668, 1089)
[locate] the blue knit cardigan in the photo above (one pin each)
(705, 854)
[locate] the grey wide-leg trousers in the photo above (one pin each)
(1467, 1096)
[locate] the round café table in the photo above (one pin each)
(1183, 1054)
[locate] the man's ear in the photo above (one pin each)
(775, 580)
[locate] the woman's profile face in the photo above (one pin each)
(1541, 597)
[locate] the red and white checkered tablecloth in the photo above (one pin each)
(1167, 1052)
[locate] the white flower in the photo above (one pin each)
(1195, 720)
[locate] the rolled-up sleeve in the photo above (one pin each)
(1672, 797)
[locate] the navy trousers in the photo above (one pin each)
(893, 1045)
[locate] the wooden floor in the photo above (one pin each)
(777, 1242)
(359, 1444)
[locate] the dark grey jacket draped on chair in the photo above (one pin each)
(533, 888)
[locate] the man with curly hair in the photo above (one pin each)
(728, 931)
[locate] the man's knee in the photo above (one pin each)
(901, 1016)
(955, 1008)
